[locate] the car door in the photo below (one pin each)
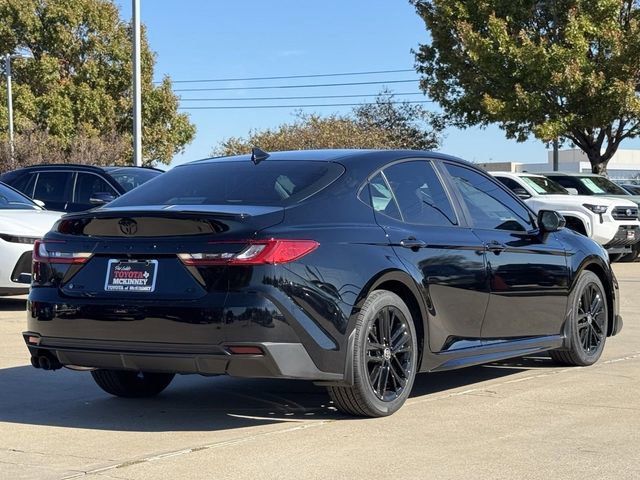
(90, 191)
(444, 257)
(528, 272)
(54, 189)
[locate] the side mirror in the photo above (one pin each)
(521, 193)
(571, 190)
(101, 198)
(40, 203)
(550, 221)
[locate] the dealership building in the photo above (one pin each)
(624, 165)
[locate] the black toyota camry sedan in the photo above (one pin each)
(354, 269)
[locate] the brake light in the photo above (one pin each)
(260, 252)
(44, 252)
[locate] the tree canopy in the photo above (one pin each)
(547, 68)
(384, 123)
(76, 82)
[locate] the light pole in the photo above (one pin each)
(137, 94)
(7, 70)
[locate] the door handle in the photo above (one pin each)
(495, 247)
(412, 243)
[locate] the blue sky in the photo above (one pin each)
(204, 39)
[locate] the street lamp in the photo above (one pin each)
(7, 71)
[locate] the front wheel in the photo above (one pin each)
(385, 357)
(125, 383)
(588, 323)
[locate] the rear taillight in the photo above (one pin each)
(46, 252)
(258, 252)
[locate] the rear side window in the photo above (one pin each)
(419, 193)
(382, 199)
(25, 184)
(52, 186)
(235, 183)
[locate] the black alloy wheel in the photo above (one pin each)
(384, 358)
(389, 352)
(588, 323)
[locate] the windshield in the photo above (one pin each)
(602, 186)
(544, 186)
(130, 178)
(12, 200)
(275, 183)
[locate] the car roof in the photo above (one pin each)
(570, 174)
(518, 174)
(346, 156)
(77, 166)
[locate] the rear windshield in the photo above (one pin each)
(276, 183)
(130, 178)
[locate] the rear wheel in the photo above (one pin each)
(587, 323)
(385, 356)
(125, 383)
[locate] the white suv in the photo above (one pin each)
(612, 222)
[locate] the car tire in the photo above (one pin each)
(131, 384)
(385, 358)
(588, 323)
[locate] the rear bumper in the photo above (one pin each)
(279, 360)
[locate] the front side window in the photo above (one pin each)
(420, 195)
(88, 185)
(489, 205)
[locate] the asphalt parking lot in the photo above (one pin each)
(526, 418)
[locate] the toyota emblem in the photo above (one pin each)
(128, 226)
(629, 212)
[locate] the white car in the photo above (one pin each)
(612, 222)
(22, 222)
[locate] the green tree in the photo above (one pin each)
(384, 123)
(547, 68)
(77, 82)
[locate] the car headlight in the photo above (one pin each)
(596, 208)
(18, 239)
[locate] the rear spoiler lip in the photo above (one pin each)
(241, 212)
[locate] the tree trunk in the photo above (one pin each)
(598, 164)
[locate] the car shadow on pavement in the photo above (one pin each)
(13, 304)
(71, 399)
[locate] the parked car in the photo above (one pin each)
(599, 186)
(354, 269)
(75, 188)
(633, 189)
(22, 222)
(612, 222)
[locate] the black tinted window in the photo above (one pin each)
(420, 195)
(52, 186)
(88, 184)
(235, 183)
(509, 183)
(25, 183)
(489, 205)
